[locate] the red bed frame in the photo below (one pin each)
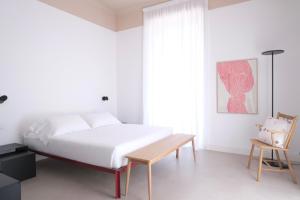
(116, 172)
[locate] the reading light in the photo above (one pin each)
(105, 98)
(3, 98)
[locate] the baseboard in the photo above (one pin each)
(294, 156)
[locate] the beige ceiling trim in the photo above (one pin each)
(132, 16)
(129, 20)
(213, 4)
(116, 15)
(91, 10)
(121, 6)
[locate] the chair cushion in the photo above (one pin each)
(280, 126)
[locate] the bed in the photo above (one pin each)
(102, 148)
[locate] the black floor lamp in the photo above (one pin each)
(273, 52)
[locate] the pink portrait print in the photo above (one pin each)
(237, 78)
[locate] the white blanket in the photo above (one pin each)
(104, 146)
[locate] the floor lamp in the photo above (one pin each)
(272, 53)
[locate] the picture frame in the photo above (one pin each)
(237, 86)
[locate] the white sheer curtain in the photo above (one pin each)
(173, 60)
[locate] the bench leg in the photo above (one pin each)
(194, 151)
(149, 181)
(128, 176)
(117, 185)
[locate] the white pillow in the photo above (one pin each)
(100, 119)
(56, 126)
(36, 127)
(276, 125)
(38, 130)
(66, 124)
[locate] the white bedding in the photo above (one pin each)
(104, 146)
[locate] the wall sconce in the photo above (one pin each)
(105, 98)
(3, 98)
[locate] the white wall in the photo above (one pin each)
(244, 31)
(129, 75)
(51, 62)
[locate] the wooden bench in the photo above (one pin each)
(154, 152)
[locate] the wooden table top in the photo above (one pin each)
(159, 149)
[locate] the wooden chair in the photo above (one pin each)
(263, 146)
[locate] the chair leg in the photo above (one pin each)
(250, 156)
(291, 170)
(260, 164)
(278, 159)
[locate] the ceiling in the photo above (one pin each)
(119, 6)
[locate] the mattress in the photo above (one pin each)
(105, 146)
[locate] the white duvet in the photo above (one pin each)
(104, 146)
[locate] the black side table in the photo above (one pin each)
(10, 189)
(17, 162)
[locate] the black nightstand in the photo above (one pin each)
(17, 162)
(10, 189)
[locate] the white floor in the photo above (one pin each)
(215, 176)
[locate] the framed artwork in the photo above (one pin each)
(237, 86)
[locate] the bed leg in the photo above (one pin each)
(118, 185)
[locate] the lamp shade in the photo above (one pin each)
(273, 52)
